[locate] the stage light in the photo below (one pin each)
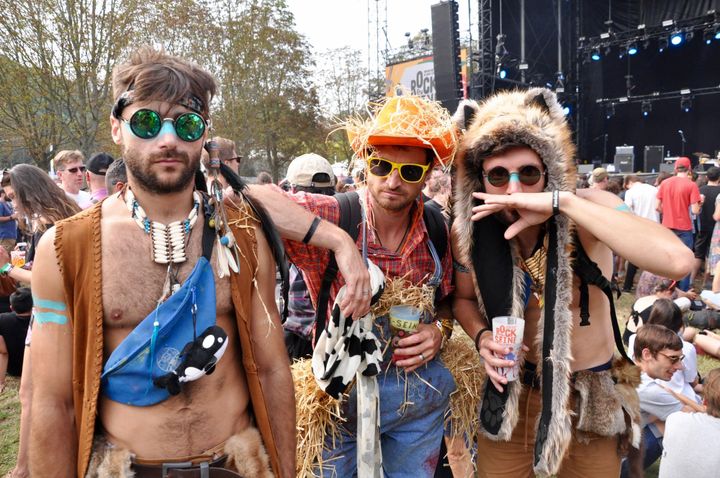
(677, 38)
(566, 110)
(708, 36)
(632, 49)
(717, 32)
(646, 108)
(595, 55)
(686, 104)
(662, 44)
(609, 110)
(608, 49)
(503, 73)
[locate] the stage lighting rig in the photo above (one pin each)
(662, 44)
(595, 54)
(632, 49)
(708, 36)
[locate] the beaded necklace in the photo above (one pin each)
(168, 240)
(535, 268)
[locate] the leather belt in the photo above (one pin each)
(205, 469)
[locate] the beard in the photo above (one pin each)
(142, 170)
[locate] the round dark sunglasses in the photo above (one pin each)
(528, 175)
(410, 173)
(146, 124)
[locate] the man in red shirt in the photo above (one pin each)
(675, 198)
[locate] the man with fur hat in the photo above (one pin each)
(400, 145)
(528, 245)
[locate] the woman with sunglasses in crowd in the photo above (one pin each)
(39, 203)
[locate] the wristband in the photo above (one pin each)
(555, 202)
(311, 231)
(479, 334)
(5, 269)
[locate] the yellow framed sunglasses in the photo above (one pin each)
(410, 173)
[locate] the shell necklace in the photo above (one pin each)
(168, 240)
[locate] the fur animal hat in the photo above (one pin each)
(535, 119)
(406, 120)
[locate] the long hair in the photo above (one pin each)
(38, 196)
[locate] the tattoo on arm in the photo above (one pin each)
(49, 311)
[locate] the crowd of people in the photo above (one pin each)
(160, 344)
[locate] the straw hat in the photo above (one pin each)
(406, 121)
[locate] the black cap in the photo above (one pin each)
(99, 163)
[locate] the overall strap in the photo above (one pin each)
(350, 218)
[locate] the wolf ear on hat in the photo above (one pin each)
(464, 114)
(539, 101)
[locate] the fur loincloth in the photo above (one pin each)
(245, 454)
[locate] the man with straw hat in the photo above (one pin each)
(405, 138)
(532, 247)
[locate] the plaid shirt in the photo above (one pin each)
(413, 261)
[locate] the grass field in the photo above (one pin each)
(10, 403)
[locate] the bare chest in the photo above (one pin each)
(133, 282)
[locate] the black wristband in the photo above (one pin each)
(478, 335)
(311, 231)
(555, 202)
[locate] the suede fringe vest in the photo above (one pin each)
(79, 255)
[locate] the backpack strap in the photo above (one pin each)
(350, 218)
(436, 226)
(590, 274)
(437, 231)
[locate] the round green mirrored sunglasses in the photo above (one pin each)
(147, 124)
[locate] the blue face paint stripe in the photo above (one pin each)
(49, 317)
(49, 304)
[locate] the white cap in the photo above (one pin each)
(310, 170)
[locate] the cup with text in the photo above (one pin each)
(508, 332)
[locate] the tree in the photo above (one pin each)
(55, 70)
(268, 103)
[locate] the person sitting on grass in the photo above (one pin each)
(658, 353)
(666, 313)
(687, 435)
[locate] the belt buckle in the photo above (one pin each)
(166, 467)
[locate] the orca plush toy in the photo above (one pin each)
(199, 358)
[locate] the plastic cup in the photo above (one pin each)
(17, 258)
(508, 332)
(404, 320)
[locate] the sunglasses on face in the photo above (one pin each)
(75, 169)
(528, 175)
(146, 124)
(410, 173)
(673, 358)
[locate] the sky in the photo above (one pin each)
(336, 23)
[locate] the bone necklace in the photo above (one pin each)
(168, 240)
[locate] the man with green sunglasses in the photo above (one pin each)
(158, 340)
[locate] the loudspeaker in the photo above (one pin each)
(667, 168)
(585, 168)
(624, 163)
(653, 158)
(446, 54)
